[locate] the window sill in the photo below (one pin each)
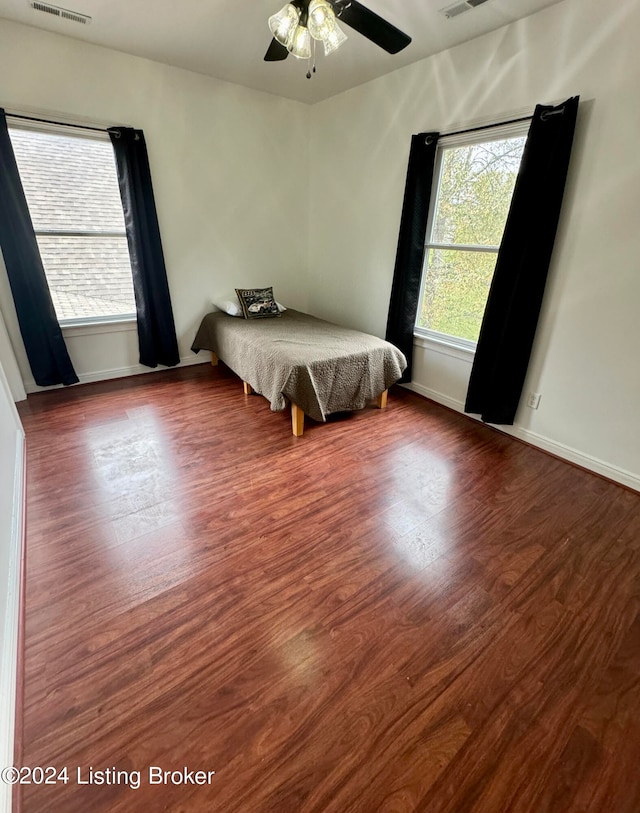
(448, 345)
(82, 328)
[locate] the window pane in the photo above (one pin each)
(476, 185)
(70, 182)
(455, 293)
(88, 276)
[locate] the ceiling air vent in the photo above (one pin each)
(460, 8)
(63, 13)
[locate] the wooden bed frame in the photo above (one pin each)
(297, 415)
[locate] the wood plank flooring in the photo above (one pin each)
(403, 610)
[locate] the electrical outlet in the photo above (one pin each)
(533, 400)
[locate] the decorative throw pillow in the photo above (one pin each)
(231, 306)
(257, 303)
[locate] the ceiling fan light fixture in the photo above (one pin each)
(300, 45)
(301, 21)
(334, 40)
(322, 19)
(283, 25)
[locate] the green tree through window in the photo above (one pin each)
(472, 195)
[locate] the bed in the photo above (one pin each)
(316, 366)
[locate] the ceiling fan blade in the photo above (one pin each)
(275, 52)
(371, 26)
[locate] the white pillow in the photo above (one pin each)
(229, 304)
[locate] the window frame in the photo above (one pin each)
(480, 135)
(17, 122)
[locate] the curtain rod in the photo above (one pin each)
(486, 126)
(544, 115)
(60, 123)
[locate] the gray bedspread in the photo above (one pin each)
(315, 364)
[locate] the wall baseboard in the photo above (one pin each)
(561, 450)
(12, 628)
(118, 372)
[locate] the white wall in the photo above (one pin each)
(585, 360)
(10, 364)
(229, 167)
(11, 528)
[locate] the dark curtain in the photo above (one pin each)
(156, 330)
(405, 290)
(43, 340)
(511, 315)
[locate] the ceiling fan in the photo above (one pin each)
(302, 22)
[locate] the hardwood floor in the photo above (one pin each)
(403, 610)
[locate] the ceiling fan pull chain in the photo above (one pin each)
(312, 68)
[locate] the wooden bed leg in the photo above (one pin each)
(214, 359)
(381, 400)
(297, 420)
(247, 388)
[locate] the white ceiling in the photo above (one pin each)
(227, 39)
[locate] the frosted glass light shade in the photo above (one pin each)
(334, 40)
(283, 24)
(321, 19)
(300, 45)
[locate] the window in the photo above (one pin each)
(71, 186)
(474, 178)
